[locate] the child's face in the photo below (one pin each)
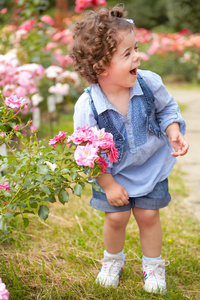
(122, 71)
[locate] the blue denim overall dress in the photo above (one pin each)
(104, 121)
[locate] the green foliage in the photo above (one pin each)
(33, 7)
(183, 14)
(35, 174)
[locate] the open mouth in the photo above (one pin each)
(134, 71)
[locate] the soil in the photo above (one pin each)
(190, 163)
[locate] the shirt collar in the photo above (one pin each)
(101, 102)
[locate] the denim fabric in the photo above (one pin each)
(104, 119)
(156, 199)
(146, 158)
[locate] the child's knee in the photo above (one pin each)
(117, 220)
(147, 217)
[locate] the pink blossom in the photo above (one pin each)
(83, 4)
(14, 102)
(2, 134)
(154, 47)
(113, 155)
(20, 91)
(33, 129)
(53, 71)
(16, 127)
(102, 139)
(6, 186)
(144, 56)
(4, 293)
(81, 135)
(28, 25)
(57, 138)
(3, 11)
(103, 164)
(86, 155)
(47, 19)
(61, 89)
(50, 46)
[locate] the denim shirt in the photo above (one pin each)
(104, 120)
(146, 158)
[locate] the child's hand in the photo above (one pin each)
(177, 140)
(179, 144)
(116, 194)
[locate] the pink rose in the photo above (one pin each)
(113, 155)
(57, 138)
(4, 293)
(2, 134)
(102, 139)
(16, 127)
(20, 91)
(47, 19)
(3, 11)
(6, 186)
(81, 135)
(33, 129)
(28, 25)
(15, 103)
(86, 155)
(103, 164)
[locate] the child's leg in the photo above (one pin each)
(150, 231)
(114, 238)
(151, 241)
(114, 230)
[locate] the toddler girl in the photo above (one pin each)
(148, 129)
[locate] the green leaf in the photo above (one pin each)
(96, 187)
(26, 222)
(78, 190)
(23, 204)
(46, 190)
(64, 171)
(26, 211)
(48, 177)
(34, 205)
(51, 199)
(63, 196)
(42, 169)
(43, 212)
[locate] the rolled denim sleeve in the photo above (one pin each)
(167, 109)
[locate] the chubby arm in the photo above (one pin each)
(177, 140)
(116, 194)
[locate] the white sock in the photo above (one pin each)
(119, 253)
(147, 259)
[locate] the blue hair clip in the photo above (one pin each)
(130, 21)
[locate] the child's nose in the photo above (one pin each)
(136, 56)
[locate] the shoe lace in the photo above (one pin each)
(157, 270)
(112, 266)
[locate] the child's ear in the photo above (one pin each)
(95, 68)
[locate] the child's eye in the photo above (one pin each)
(136, 48)
(127, 54)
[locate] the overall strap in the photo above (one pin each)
(152, 123)
(104, 121)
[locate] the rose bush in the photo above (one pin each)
(37, 172)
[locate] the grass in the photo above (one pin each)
(59, 259)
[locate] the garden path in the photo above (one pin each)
(190, 163)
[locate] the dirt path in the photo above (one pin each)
(190, 163)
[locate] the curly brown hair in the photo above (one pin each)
(95, 41)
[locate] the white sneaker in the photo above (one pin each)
(154, 275)
(111, 270)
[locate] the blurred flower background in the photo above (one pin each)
(34, 51)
